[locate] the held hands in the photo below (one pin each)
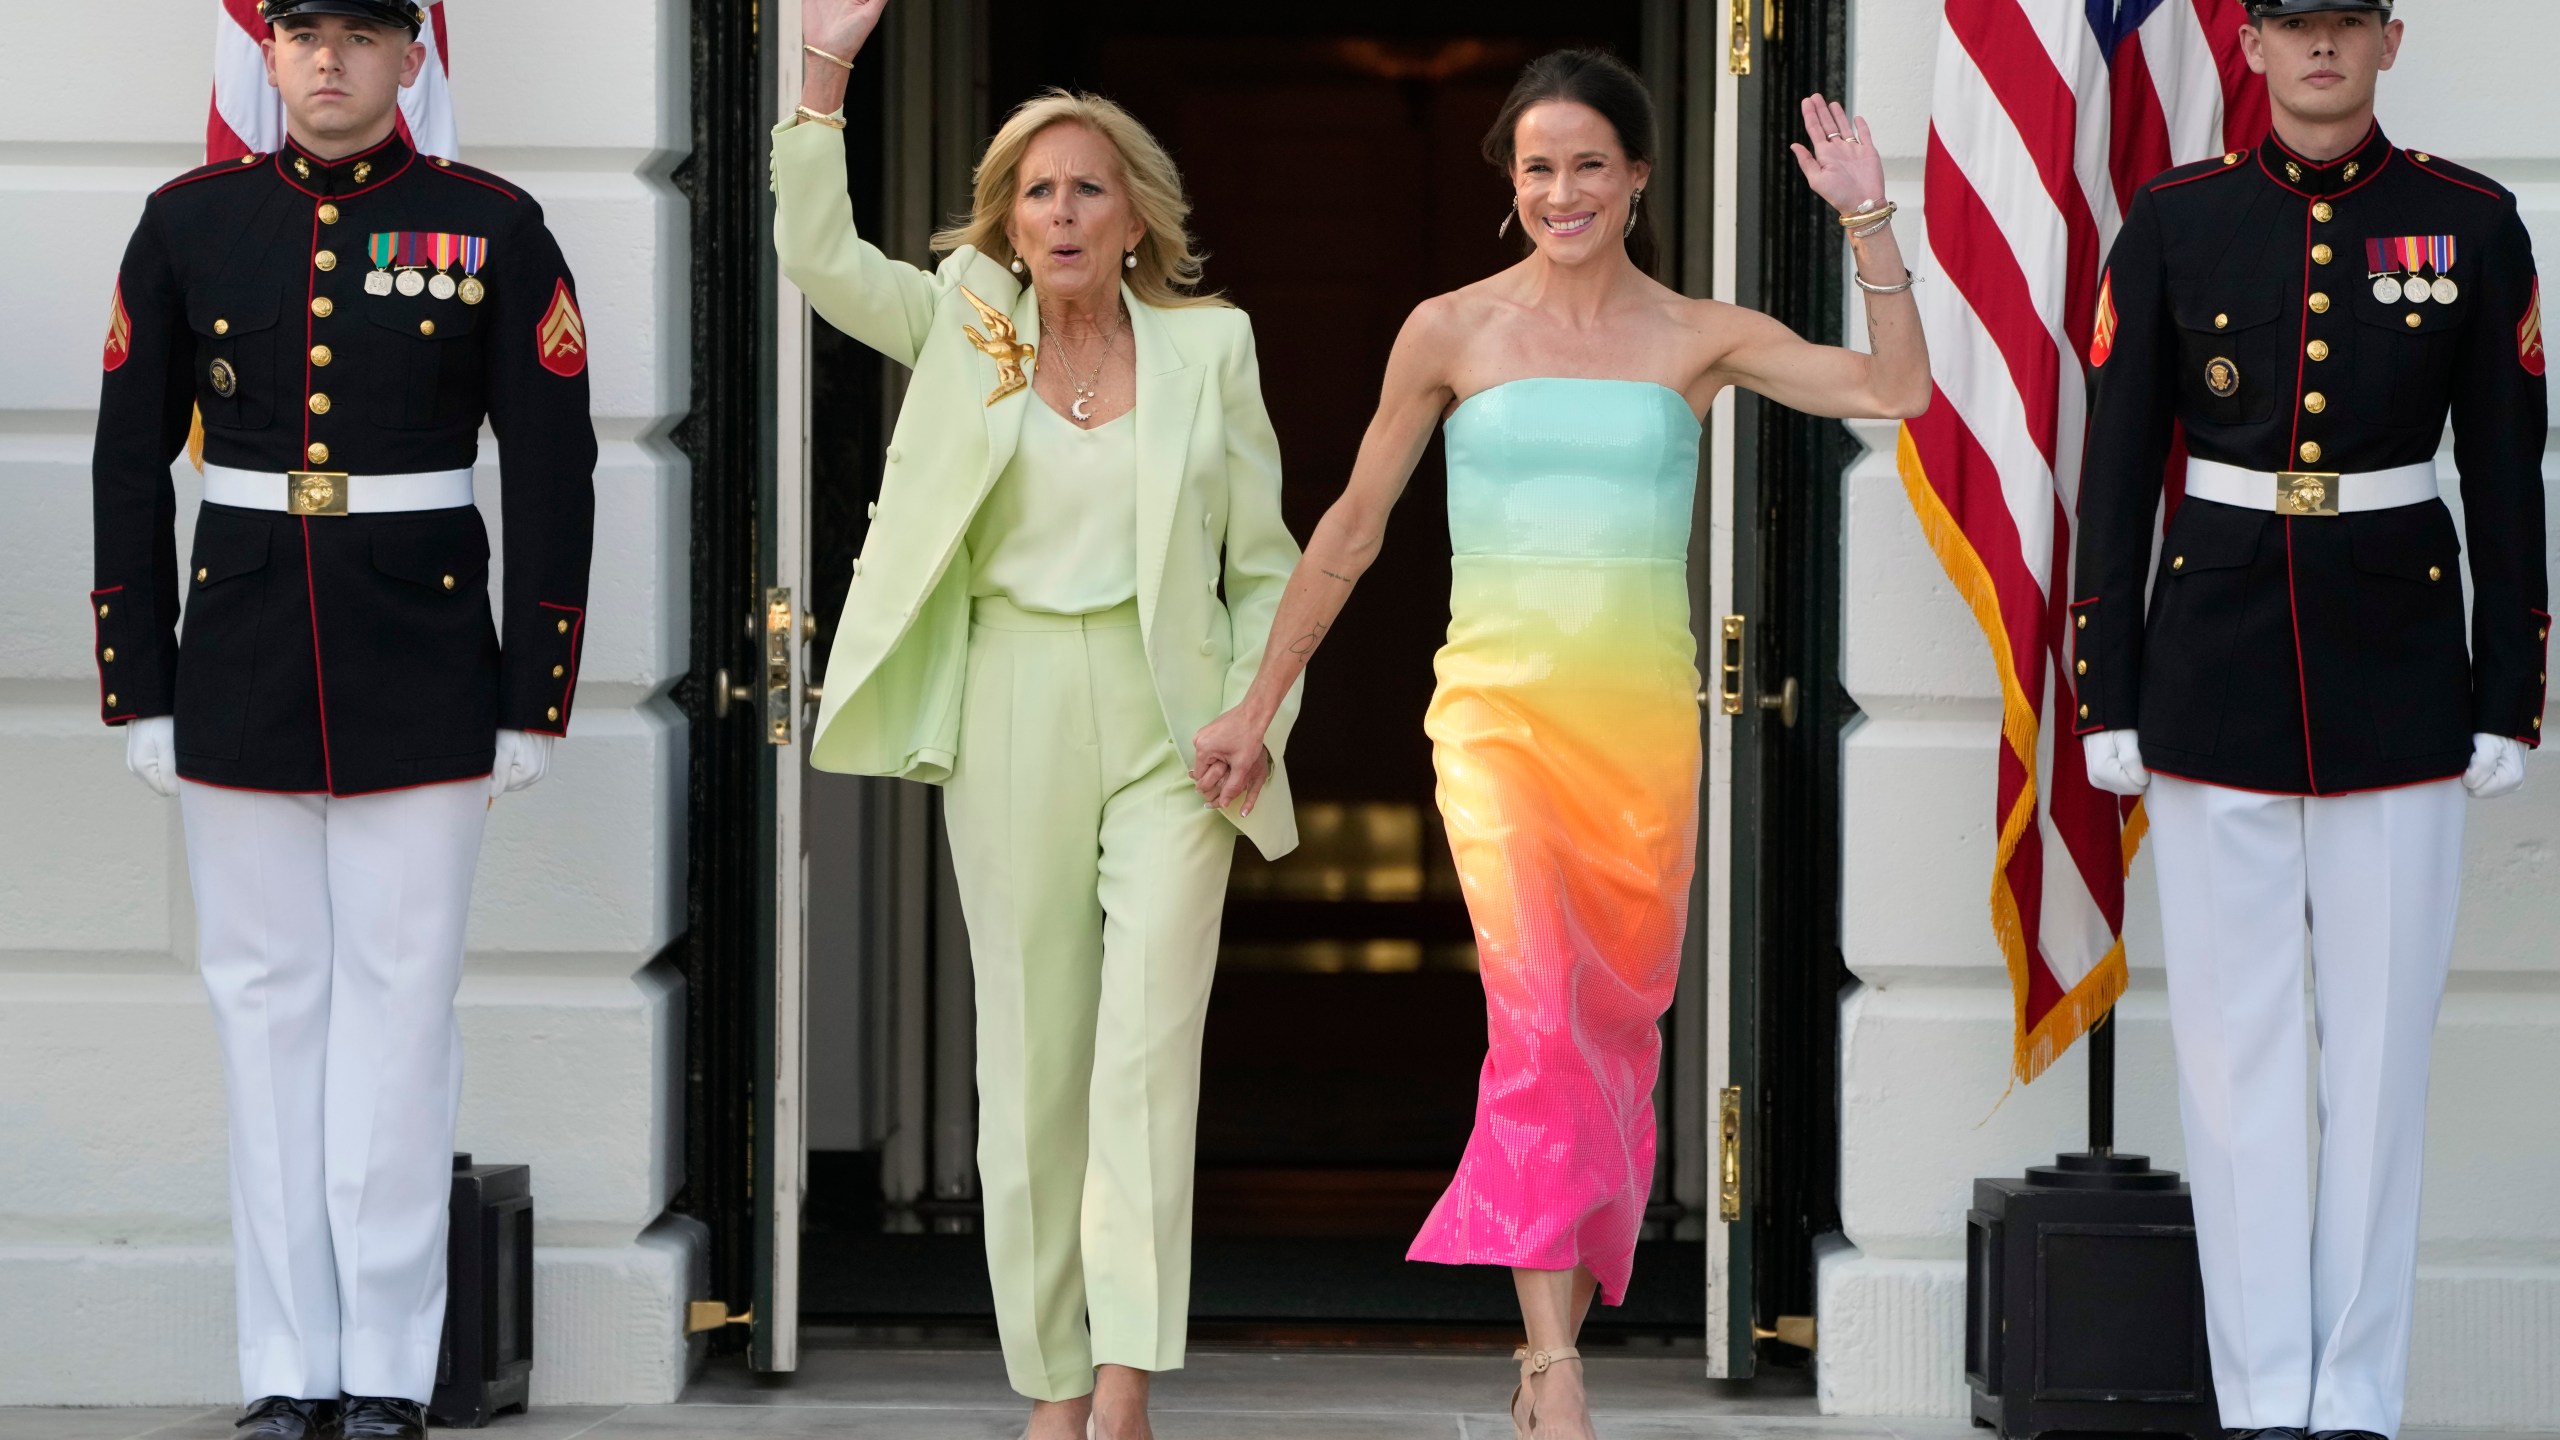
(151, 753)
(2497, 767)
(2115, 762)
(523, 757)
(1230, 761)
(1839, 157)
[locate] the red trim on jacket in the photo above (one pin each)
(445, 167)
(319, 681)
(2429, 169)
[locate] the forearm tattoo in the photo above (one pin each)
(1306, 644)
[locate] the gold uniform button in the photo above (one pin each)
(564, 627)
(2221, 322)
(2319, 349)
(2422, 157)
(2319, 302)
(2084, 622)
(448, 582)
(2310, 452)
(2315, 402)
(2084, 712)
(202, 575)
(221, 327)
(320, 404)
(2435, 572)
(322, 355)
(328, 214)
(2537, 720)
(318, 453)
(2415, 320)
(2082, 667)
(323, 306)
(251, 159)
(2232, 158)
(111, 703)
(443, 164)
(110, 655)
(326, 260)
(554, 713)
(559, 670)
(2179, 563)
(2321, 254)
(426, 327)
(102, 612)
(2323, 212)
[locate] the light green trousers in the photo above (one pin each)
(1093, 878)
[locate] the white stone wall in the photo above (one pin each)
(114, 1249)
(1925, 1039)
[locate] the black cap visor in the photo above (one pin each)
(2278, 9)
(395, 13)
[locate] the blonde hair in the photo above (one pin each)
(1168, 269)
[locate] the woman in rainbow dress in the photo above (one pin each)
(1565, 727)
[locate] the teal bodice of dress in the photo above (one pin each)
(1573, 469)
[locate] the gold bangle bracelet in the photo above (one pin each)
(1869, 217)
(832, 122)
(823, 55)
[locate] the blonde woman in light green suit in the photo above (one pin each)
(1035, 623)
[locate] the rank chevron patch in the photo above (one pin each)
(2102, 343)
(2529, 334)
(119, 331)
(562, 335)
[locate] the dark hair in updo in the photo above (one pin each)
(1604, 82)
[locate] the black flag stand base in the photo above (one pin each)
(2084, 1309)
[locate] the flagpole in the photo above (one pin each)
(2102, 1084)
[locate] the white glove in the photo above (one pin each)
(2115, 761)
(151, 753)
(2497, 767)
(522, 758)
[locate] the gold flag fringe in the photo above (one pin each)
(195, 440)
(2098, 991)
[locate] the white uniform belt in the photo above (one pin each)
(2308, 492)
(320, 492)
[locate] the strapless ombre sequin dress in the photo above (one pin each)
(1565, 732)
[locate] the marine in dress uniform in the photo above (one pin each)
(341, 695)
(2304, 687)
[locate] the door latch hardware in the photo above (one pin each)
(1729, 1154)
(778, 631)
(706, 1315)
(1738, 59)
(1784, 702)
(1732, 664)
(725, 692)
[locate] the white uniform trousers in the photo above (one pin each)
(331, 943)
(2307, 1304)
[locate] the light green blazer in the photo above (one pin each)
(1208, 479)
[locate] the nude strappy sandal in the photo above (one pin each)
(1533, 1363)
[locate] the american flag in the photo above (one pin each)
(248, 115)
(2047, 114)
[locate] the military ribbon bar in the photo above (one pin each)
(2375, 261)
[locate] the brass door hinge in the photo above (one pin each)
(707, 1315)
(1729, 1154)
(1796, 1330)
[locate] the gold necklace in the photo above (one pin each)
(1089, 389)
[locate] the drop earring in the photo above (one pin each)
(1633, 201)
(1129, 260)
(1017, 264)
(1510, 213)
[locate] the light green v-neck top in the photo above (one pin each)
(1059, 532)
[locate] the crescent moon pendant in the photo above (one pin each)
(1077, 409)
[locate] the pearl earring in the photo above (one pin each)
(1017, 264)
(1129, 261)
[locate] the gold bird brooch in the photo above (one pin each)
(998, 344)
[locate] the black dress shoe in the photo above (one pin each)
(2277, 1432)
(379, 1417)
(2347, 1435)
(281, 1417)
